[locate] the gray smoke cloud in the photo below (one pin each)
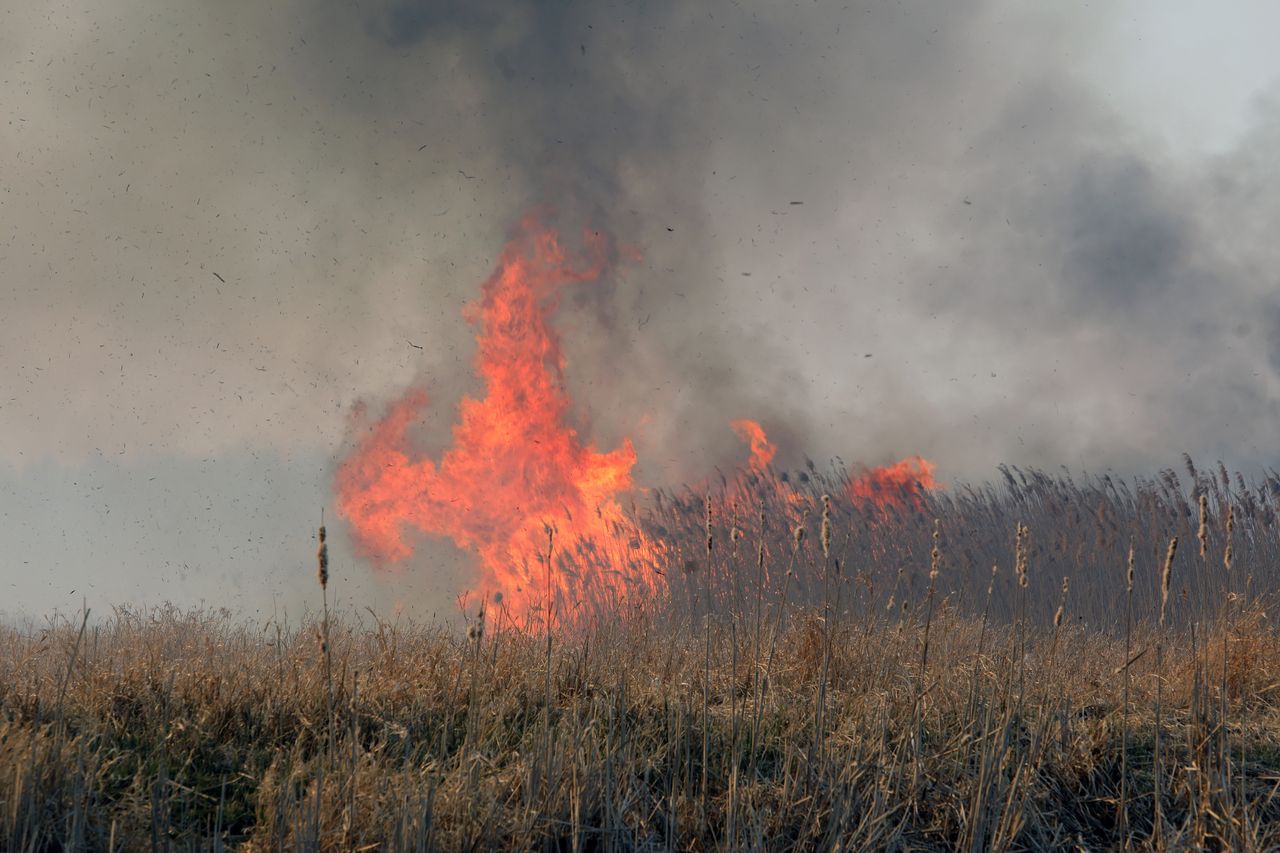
(879, 229)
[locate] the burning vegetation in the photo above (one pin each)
(777, 660)
(539, 506)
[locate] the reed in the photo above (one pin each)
(930, 717)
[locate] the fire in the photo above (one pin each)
(762, 450)
(897, 484)
(536, 504)
(518, 481)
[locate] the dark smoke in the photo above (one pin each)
(1052, 231)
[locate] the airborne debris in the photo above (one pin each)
(220, 278)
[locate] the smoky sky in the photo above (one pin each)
(880, 229)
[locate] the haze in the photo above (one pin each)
(983, 232)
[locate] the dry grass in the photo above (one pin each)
(835, 677)
(189, 731)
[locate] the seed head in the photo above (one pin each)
(935, 555)
(1129, 573)
(1203, 533)
(322, 561)
(1228, 552)
(1164, 577)
(826, 525)
(1020, 554)
(710, 537)
(1057, 617)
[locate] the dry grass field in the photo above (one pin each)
(826, 701)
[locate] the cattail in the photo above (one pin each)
(1020, 554)
(1129, 573)
(1164, 577)
(935, 555)
(799, 533)
(710, 537)
(1203, 533)
(735, 534)
(322, 560)
(991, 585)
(1057, 617)
(1228, 553)
(826, 525)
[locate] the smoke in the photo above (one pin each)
(879, 230)
(1032, 279)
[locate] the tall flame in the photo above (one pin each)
(762, 450)
(519, 488)
(517, 481)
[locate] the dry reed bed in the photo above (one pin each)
(1079, 527)
(191, 731)
(817, 673)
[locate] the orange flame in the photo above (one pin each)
(516, 470)
(897, 484)
(536, 504)
(762, 450)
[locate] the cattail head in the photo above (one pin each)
(1020, 554)
(799, 533)
(710, 536)
(1228, 552)
(935, 555)
(1129, 572)
(826, 525)
(1057, 616)
(322, 561)
(1203, 533)
(1165, 576)
(991, 585)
